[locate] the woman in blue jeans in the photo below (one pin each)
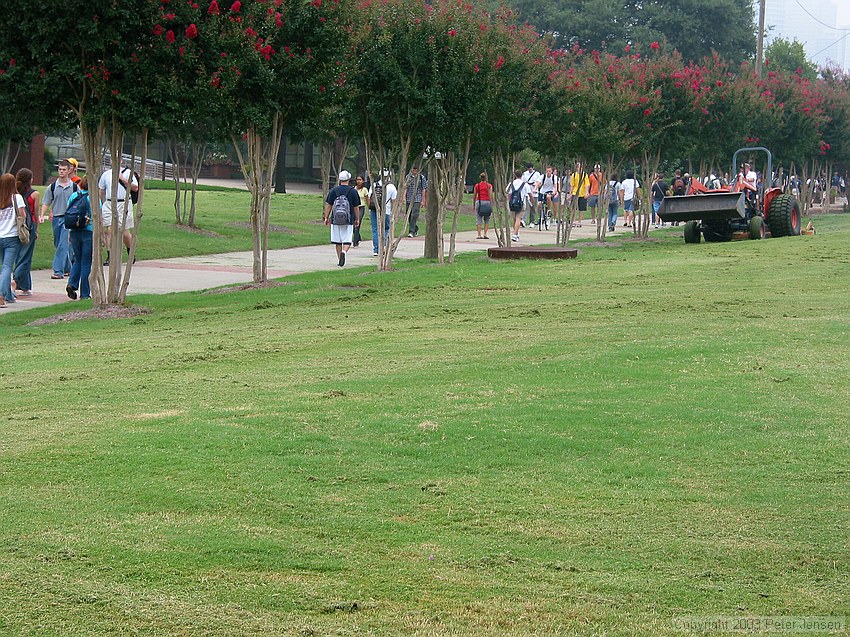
(12, 207)
(81, 244)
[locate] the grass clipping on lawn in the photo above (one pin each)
(590, 447)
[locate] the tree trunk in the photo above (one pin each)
(93, 141)
(177, 169)
(258, 169)
(460, 181)
(137, 213)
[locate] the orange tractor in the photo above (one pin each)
(746, 209)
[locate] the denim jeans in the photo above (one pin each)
(613, 209)
(23, 265)
(373, 218)
(81, 242)
(61, 258)
(10, 246)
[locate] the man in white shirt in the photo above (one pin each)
(124, 204)
(533, 178)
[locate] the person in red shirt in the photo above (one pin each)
(482, 196)
(593, 192)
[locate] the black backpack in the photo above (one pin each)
(134, 194)
(515, 200)
(78, 214)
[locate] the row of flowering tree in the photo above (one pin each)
(420, 82)
(640, 108)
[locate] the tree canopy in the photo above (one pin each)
(693, 27)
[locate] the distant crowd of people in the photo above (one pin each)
(22, 210)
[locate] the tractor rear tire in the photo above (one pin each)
(784, 216)
(757, 228)
(716, 231)
(692, 232)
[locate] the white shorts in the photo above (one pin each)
(106, 214)
(342, 234)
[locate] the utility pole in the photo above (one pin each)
(760, 45)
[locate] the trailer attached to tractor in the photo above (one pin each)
(717, 215)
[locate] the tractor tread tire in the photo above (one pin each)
(756, 228)
(691, 232)
(784, 216)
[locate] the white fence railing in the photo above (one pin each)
(153, 169)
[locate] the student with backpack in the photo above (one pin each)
(342, 213)
(22, 275)
(56, 199)
(519, 192)
(125, 196)
(78, 218)
(615, 199)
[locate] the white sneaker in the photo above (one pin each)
(514, 237)
(521, 223)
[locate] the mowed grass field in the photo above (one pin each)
(593, 447)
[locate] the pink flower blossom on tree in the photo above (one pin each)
(169, 36)
(236, 7)
(192, 31)
(213, 10)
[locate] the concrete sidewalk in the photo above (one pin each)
(182, 274)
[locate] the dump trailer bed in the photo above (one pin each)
(712, 206)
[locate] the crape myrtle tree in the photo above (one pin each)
(273, 65)
(87, 68)
(392, 100)
(835, 86)
(474, 85)
(183, 98)
(518, 98)
(407, 60)
(588, 125)
(794, 134)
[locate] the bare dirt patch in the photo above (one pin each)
(200, 231)
(272, 228)
(250, 286)
(102, 313)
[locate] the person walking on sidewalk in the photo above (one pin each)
(126, 181)
(482, 197)
(56, 200)
(415, 196)
(23, 267)
(518, 186)
(363, 193)
(81, 243)
(12, 209)
(342, 214)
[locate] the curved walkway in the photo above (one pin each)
(182, 274)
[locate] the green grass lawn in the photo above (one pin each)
(222, 221)
(593, 447)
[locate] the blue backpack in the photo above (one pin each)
(78, 214)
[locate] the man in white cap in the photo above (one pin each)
(342, 213)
